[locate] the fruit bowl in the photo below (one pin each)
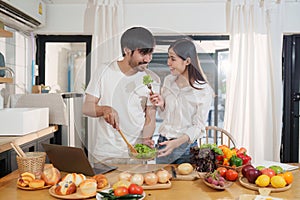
(216, 181)
(143, 152)
(244, 182)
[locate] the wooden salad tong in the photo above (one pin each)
(131, 148)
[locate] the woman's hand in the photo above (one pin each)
(157, 100)
(111, 116)
(169, 147)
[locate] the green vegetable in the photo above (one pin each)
(147, 80)
(110, 196)
(213, 147)
(234, 160)
(145, 151)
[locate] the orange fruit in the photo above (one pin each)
(288, 177)
(282, 175)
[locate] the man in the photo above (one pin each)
(117, 96)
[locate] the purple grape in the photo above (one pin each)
(210, 179)
(221, 178)
(215, 182)
(221, 183)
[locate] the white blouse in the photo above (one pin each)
(186, 109)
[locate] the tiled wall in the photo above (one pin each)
(18, 56)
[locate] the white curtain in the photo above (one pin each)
(254, 85)
(104, 20)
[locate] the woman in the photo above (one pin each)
(184, 103)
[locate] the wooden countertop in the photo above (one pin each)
(6, 140)
(188, 190)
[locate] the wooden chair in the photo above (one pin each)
(218, 136)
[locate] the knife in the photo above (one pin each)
(173, 172)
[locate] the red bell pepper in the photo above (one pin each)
(241, 150)
(246, 158)
(219, 159)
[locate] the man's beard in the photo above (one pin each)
(141, 66)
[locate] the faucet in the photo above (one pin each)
(12, 73)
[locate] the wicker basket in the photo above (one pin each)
(33, 163)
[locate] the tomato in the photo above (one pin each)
(121, 191)
(135, 189)
(231, 175)
(222, 171)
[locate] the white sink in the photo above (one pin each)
(21, 121)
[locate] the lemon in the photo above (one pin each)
(121, 183)
(263, 180)
(278, 182)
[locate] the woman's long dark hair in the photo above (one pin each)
(185, 48)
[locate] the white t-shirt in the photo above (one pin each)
(129, 97)
(186, 109)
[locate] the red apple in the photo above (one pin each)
(245, 169)
(268, 171)
(252, 175)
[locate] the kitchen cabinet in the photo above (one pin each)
(5, 163)
(48, 139)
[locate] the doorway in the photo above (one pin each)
(65, 51)
(65, 65)
(291, 80)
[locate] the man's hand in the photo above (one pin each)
(111, 116)
(149, 142)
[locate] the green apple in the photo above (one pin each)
(277, 169)
(260, 167)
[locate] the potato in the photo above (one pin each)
(185, 168)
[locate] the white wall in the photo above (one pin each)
(188, 17)
(291, 17)
(167, 16)
(64, 19)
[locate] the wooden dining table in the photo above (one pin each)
(179, 189)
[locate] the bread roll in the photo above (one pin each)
(51, 175)
(185, 168)
(37, 183)
(88, 187)
(101, 181)
(75, 178)
(22, 183)
(27, 177)
(65, 188)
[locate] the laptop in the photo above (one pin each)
(73, 160)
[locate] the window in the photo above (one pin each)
(17, 52)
